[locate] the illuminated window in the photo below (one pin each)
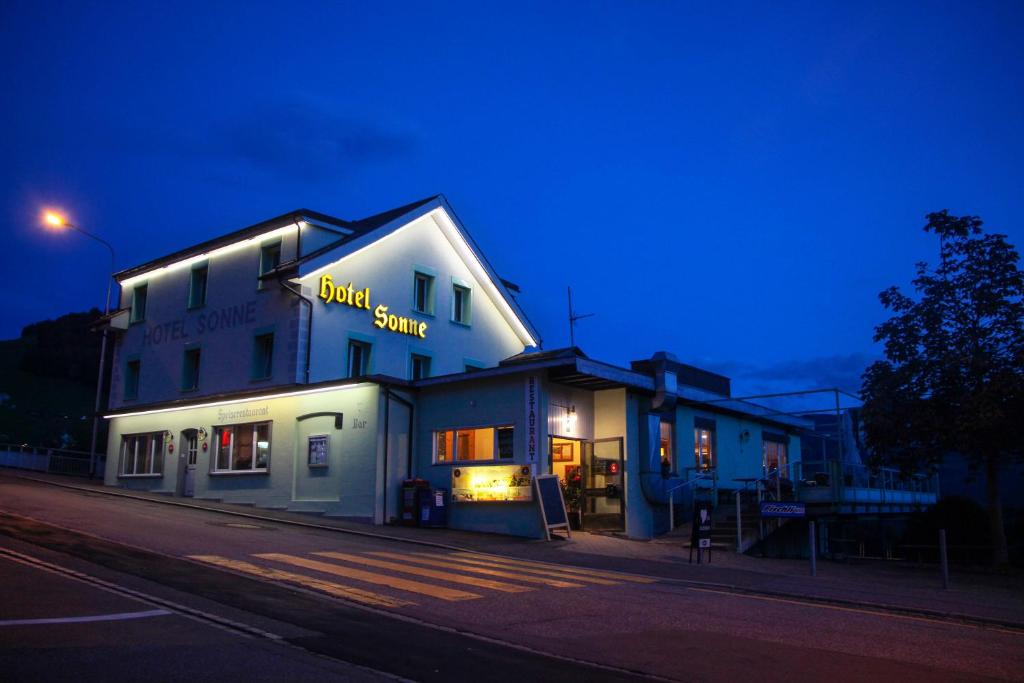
(197, 286)
(704, 444)
(242, 448)
(473, 445)
(141, 454)
(358, 358)
(666, 450)
(420, 366)
(423, 293)
(774, 448)
(190, 370)
(139, 296)
(131, 379)
(263, 356)
(270, 258)
(461, 304)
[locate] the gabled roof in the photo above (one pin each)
(371, 229)
(255, 230)
(356, 234)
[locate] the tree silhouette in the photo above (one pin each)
(953, 375)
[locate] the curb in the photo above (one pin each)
(886, 608)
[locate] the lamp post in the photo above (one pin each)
(59, 222)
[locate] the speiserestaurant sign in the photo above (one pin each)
(360, 298)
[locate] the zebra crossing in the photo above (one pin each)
(402, 579)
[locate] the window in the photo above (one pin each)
(774, 448)
(358, 358)
(242, 448)
(270, 258)
(139, 303)
(420, 366)
(461, 304)
(131, 379)
(141, 454)
(197, 286)
(190, 370)
(668, 460)
(423, 293)
(263, 356)
(484, 443)
(704, 444)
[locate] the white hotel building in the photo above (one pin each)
(312, 363)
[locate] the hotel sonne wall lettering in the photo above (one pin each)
(225, 318)
(360, 298)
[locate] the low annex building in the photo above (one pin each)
(312, 363)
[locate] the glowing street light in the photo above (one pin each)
(57, 220)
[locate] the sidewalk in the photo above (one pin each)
(987, 598)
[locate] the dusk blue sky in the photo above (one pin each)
(734, 183)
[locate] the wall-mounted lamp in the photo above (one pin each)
(570, 419)
(202, 434)
(745, 435)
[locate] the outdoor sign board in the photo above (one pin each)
(782, 509)
(700, 531)
(552, 504)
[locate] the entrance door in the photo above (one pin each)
(190, 454)
(604, 495)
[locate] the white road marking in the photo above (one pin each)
(80, 620)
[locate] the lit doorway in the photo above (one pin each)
(591, 475)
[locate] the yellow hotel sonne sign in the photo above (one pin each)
(360, 298)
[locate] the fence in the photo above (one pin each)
(52, 460)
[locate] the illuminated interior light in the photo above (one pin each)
(213, 404)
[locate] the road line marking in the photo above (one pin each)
(561, 568)
(871, 612)
(430, 573)
(441, 592)
(81, 620)
(441, 562)
(334, 589)
(532, 569)
(207, 618)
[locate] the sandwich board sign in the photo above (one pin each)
(552, 504)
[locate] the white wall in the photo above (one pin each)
(223, 329)
(387, 267)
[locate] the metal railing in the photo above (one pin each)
(840, 482)
(53, 460)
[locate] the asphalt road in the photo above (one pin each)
(428, 614)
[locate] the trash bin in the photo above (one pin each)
(411, 489)
(433, 507)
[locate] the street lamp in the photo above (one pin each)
(59, 222)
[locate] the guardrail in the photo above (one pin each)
(857, 484)
(53, 460)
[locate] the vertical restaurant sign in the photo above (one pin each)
(531, 418)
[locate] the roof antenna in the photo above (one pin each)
(573, 317)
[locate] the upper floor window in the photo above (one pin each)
(270, 258)
(704, 444)
(139, 295)
(131, 379)
(420, 366)
(483, 443)
(197, 286)
(423, 293)
(358, 358)
(461, 304)
(190, 370)
(141, 454)
(242, 448)
(263, 356)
